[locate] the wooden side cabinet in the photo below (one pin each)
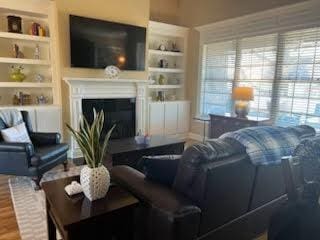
(223, 124)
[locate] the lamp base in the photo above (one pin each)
(242, 111)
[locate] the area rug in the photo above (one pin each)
(30, 205)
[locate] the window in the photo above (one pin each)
(283, 69)
(257, 70)
(298, 95)
(217, 78)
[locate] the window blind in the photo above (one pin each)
(283, 68)
(218, 67)
(256, 69)
(298, 90)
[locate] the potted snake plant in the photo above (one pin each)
(94, 177)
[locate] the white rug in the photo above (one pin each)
(29, 205)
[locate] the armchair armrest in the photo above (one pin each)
(17, 147)
(172, 216)
(42, 139)
(15, 158)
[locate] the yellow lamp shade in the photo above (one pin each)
(242, 93)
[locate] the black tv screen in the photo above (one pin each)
(97, 44)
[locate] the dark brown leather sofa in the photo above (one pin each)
(217, 192)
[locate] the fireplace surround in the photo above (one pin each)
(100, 88)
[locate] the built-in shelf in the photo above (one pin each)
(24, 61)
(166, 53)
(166, 70)
(24, 37)
(165, 86)
(25, 85)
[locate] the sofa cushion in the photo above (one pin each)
(47, 153)
(267, 145)
(161, 169)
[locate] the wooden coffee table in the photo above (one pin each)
(78, 218)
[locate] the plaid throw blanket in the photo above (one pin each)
(267, 145)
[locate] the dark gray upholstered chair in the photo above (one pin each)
(26, 159)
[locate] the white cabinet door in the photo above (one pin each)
(156, 118)
(48, 119)
(171, 118)
(183, 117)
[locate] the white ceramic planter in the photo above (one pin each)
(95, 182)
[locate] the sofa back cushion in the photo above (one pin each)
(218, 177)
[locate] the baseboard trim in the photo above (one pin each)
(196, 137)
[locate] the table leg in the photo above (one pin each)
(52, 231)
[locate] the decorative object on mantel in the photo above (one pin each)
(16, 51)
(112, 71)
(242, 97)
(94, 178)
(16, 74)
(14, 24)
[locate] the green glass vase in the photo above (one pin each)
(17, 75)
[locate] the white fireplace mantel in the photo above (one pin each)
(84, 88)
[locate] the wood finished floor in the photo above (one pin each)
(8, 224)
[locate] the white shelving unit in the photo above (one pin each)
(44, 13)
(169, 117)
(167, 35)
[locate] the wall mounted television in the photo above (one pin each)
(97, 44)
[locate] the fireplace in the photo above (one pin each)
(119, 112)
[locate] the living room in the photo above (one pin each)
(159, 119)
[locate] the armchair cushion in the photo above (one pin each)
(44, 139)
(44, 154)
(17, 133)
(161, 169)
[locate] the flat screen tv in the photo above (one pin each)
(97, 44)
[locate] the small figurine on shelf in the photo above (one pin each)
(16, 74)
(37, 52)
(14, 24)
(41, 100)
(162, 47)
(39, 78)
(37, 30)
(162, 80)
(175, 47)
(163, 63)
(16, 51)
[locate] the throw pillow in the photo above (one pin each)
(17, 133)
(161, 169)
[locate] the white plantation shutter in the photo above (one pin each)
(298, 94)
(256, 69)
(218, 66)
(277, 52)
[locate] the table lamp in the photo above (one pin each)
(242, 97)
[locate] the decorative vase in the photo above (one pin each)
(16, 75)
(95, 182)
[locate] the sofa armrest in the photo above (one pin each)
(173, 216)
(43, 139)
